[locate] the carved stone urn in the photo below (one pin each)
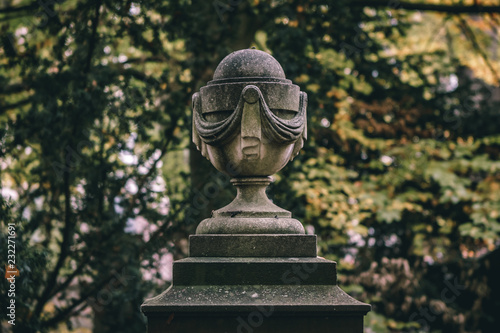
(251, 267)
(249, 121)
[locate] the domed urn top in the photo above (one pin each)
(248, 64)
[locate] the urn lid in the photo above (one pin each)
(249, 65)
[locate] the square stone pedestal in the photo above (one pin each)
(254, 283)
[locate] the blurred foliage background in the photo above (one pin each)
(399, 177)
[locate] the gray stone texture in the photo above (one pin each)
(290, 299)
(254, 271)
(251, 120)
(252, 246)
(251, 266)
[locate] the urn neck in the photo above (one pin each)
(251, 200)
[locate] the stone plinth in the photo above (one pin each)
(252, 246)
(276, 284)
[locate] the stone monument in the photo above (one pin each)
(251, 267)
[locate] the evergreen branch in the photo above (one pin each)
(472, 37)
(31, 6)
(140, 76)
(65, 244)
(68, 222)
(67, 312)
(141, 182)
(451, 9)
(13, 89)
(64, 314)
(4, 108)
(145, 59)
(70, 278)
(92, 42)
(15, 16)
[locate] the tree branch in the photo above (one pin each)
(451, 9)
(145, 59)
(139, 75)
(141, 182)
(15, 16)
(4, 108)
(13, 89)
(6, 10)
(65, 313)
(92, 42)
(70, 278)
(472, 37)
(65, 244)
(68, 229)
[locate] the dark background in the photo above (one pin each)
(399, 177)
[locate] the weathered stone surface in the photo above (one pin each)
(249, 271)
(249, 122)
(255, 308)
(251, 200)
(277, 97)
(251, 212)
(252, 246)
(253, 138)
(236, 225)
(252, 268)
(324, 299)
(256, 322)
(249, 63)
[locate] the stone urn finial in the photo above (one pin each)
(249, 121)
(251, 267)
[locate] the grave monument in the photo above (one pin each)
(251, 267)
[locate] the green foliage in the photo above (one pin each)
(399, 177)
(32, 266)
